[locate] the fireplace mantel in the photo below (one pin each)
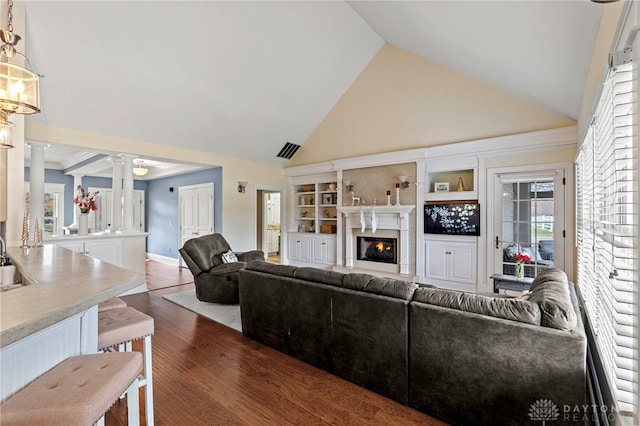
(394, 217)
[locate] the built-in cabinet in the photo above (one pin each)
(273, 240)
(451, 179)
(315, 207)
(312, 248)
(451, 261)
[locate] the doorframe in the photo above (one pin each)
(283, 218)
(568, 212)
(182, 188)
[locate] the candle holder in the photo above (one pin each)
(388, 197)
(397, 194)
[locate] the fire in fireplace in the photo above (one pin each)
(375, 249)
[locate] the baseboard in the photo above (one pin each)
(163, 259)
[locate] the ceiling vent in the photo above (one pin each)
(288, 150)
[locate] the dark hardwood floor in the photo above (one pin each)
(208, 374)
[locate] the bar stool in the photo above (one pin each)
(78, 391)
(113, 303)
(117, 327)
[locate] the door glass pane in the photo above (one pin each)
(527, 225)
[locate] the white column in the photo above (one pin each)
(127, 189)
(77, 181)
(36, 186)
(116, 199)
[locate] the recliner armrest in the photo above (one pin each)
(227, 268)
(248, 256)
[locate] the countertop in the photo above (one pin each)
(95, 236)
(61, 283)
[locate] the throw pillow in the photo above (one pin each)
(229, 257)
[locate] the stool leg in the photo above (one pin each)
(133, 404)
(148, 378)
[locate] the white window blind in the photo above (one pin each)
(607, 233)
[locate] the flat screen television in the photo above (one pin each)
(457, 218)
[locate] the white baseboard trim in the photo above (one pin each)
(163, 259)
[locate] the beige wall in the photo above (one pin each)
(608, 25)
(401, 101)
(238, 209)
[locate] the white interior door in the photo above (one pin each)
(196, 211)
(101, 219)
(529, 221)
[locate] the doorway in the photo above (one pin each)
(268, 226)
(529, 221)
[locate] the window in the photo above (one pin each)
(53, 208)
(607, 233)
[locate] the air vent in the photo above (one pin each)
(288, 150)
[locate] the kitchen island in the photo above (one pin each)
(54, 315)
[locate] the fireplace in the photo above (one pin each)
(375, 249)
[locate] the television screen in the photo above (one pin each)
(452, 219)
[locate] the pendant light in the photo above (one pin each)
(19, 85)
(139, 169)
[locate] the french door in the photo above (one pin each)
(529, 211)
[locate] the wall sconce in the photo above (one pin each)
(242, 186)
(404, 182)
(347, 185)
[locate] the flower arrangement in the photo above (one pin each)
(85, 200)
(523, 258)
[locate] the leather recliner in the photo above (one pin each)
(215, 281)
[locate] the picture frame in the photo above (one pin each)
(327, 199)
(441, 187)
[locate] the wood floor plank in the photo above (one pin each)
(208, 374)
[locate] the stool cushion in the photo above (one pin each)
(113, 303)
(78, 391)
(122, 325)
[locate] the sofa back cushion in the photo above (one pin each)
(389, 287)
(320, 276)
(513, 309)
(271, 268)
(550, 290)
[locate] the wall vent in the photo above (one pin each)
(288, 150)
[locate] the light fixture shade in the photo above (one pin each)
(140, 169)
(6, 130)
(19, 89)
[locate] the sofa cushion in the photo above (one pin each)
(390, 287)
(356, 281)
(271, 268)
(550, 290)
(320, 276)
(511, 309)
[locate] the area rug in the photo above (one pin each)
(228, 315)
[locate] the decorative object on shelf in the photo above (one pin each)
(355, 201)
(374, 220)
(332, 187)
(242, 186)
(86, 201)
(19, 86)
(37, 235)
(302, 201)
(521, 259)
(139, 169)
(460, 187)
(441, 187)
(348, 186)
(327, 199)
(388, 197)
(397, 194)
(24, 237)
(404, 182)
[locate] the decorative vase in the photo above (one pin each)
(83, 223)
(519, 270)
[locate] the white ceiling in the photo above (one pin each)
(242, 78)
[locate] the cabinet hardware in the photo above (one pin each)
(447, 252)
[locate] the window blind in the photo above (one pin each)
(607, 232)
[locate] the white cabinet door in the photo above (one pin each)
(300, 247)
(324, 249)
(106, 250)
(451, 264)
(436, 260)
(463, 262)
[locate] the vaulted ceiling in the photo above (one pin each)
(242, 78)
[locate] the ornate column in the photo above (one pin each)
(116, 198)
(127, 189)
(77, 181)
(36, 185)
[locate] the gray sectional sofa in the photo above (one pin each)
(463, 358)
